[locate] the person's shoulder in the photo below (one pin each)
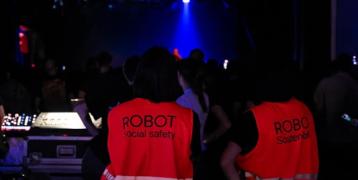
(133, 103)
(180, 104)
(183, 101)
(182, 109)
(336, 82)
(181, 98)
(260, 105)
(249, 114)
(337, 78)
(326, 81)
(298, 101)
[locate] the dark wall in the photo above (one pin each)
(316, 34)
(8, 32)
(271, 24)
(76, 31)
(347, 27)
(129, 30)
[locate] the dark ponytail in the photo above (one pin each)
(191, 74)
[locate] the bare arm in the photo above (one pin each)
(224, 124)
(2, 114)
(228, 161)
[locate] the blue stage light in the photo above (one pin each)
(186, 1)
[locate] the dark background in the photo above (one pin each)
(295, 30)
(347, 27)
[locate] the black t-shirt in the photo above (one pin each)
(195, 141)
(244, 132)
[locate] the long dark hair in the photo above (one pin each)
(191, 73)
(156, 77)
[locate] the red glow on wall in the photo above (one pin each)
(23, 40)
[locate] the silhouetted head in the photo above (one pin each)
(104, 60)
(187, 73)
(51, 67)
(343, 62)
(189, 76)
(91, 64)
(156, 76)
(197, 55)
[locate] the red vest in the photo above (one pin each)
(149, 141)
(287, 145)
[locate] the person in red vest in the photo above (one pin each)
(275, 139)
(151, 137)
